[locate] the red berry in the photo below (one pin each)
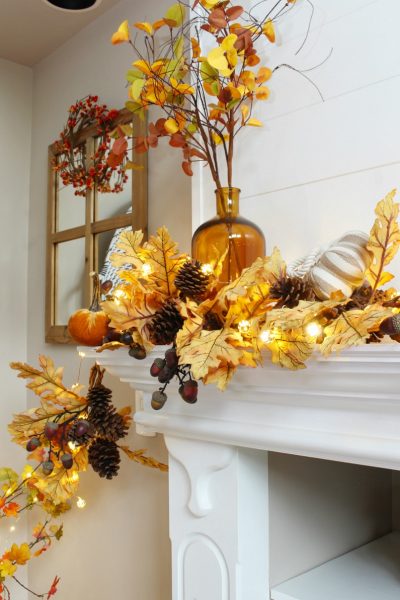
(189, 391)
(50, 430)
(171, 358)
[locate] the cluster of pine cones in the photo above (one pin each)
(191, 283)
(100, 432)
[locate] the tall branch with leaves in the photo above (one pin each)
(205, 97)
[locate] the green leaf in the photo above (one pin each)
(208, 73)
(8, 475)
(127, 129)
(178, 47)
(134, 74)
(136, 88)
(175, 15)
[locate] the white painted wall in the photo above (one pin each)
(315, 170)
(119, 547)
(15, 149)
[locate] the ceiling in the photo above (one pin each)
(32, 29)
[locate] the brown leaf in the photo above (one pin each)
(217, 18)
(234, 12)
(147, 461)
(187, 168)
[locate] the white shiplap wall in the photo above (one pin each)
(315, 170)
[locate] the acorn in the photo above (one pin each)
(126, 338)
(67, 460)
(47, 467)
(158, 399)
(137, 351)
(391, 325)
(188, 391)
(32, 444)
(157, 367)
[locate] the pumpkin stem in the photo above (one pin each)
(95, 305)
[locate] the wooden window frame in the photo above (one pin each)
(138, 219)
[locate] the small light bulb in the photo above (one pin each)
(146, 269)
(72, 446)
(244, 326)
(119, 294)
(74, 386)
(81, 503)
(82, 354)
(265, 336)
(207, 269)
(9, 492)
(74, 477)
(35, 499)
(12, 528)
(313, 329)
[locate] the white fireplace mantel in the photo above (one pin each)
(345, 408)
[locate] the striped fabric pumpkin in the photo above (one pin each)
(340, 266)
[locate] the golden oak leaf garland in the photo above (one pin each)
(64, 435)
(166, 298)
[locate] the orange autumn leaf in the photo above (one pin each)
(196, 50)
(146, 27)
(263, 75)
(11, 509)
(18, 554)
(252, 60)
(122, 34)
(262, 93)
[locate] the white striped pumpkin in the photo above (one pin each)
(340, 266)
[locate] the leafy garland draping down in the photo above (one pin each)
(45, 432)
(239, 324)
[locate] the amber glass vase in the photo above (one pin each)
(242, 239)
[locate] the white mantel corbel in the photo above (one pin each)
(344, 408)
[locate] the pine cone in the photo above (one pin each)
(290, 290)
(81, 432)
(191, 281)
(165, 324)
(98, 396)
(362, 295)
(103, 417)
(104, 458)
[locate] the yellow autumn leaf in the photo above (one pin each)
(58, 487)
(217, 59)
(353, 327)
(290, 349)
(7, 568)
(209, 350)
(254, 122)
(122, 34)
(171, 126)
(162, 255)
(18, 554)
(384, 240)
(135, 311)
(299, 316)
(128, 246)
(47, 382)
(269, 30)
(220, 375)
(146, 27)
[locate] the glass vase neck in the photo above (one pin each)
(227, 202)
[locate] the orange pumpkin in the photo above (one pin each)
(88, 326)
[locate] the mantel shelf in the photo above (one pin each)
(344, 408)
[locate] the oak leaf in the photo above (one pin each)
(353, 327)
(209, 350)
(384, 240)
(290, 349)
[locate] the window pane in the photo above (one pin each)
(70, 208)
(70, 279)
(111, 205)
